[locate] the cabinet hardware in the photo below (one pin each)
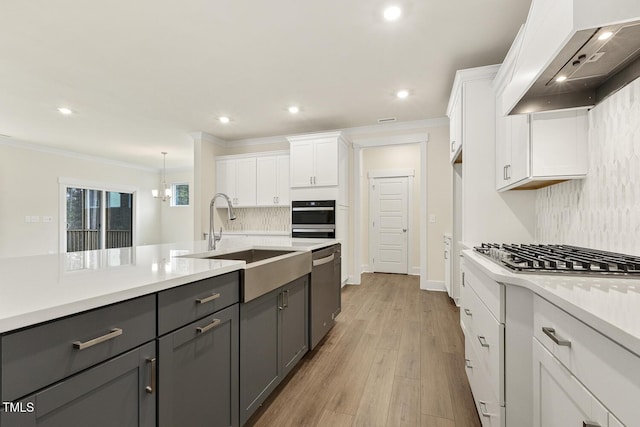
(483, 341)
(590, 424)
(314, 180)
(467, 312)
(463, 278)
(317, 262)
(115, 332)
(203, 329)
(207, 299)
(310, 180)
(551, 333)
(285, 302)
(508, 171)
(452, 146)
(483, 409)
(280, 301)
(404, 230)
(467, 363)
(446, 255)
(152, 387)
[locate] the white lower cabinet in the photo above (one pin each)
(582, 366)
(447, 265)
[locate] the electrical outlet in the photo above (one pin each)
(432, 218)
(47, 219)
(27, 218)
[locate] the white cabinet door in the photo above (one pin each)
(326, 162)
(302, 163)
(455, 126)
(518, 166)
(245, 182)
(503, 148)
(225, 181)
(267, 180)
(559, 400)
(282, 187)
(559, 143)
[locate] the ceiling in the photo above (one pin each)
(141, 75)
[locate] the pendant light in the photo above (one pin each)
(165, 192)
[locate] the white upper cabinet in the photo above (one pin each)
(541, 149)
(236, 177)
(273, 180)
(454, 112)
(314, 160)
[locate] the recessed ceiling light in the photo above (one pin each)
(65, 111)
(294, 109)
(605, 35)
(402, 94)
(392, 13)
(560, 79)
(223, 119)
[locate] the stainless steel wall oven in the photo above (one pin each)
(313, 219)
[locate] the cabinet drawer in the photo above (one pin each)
(490, 292)
(487, 339)
(184, 304)
(41, 355)
(466, 311)
(609, 371)
(487, 404)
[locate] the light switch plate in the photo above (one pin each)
(35, 218)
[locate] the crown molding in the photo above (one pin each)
(207, 137)
(71, 154)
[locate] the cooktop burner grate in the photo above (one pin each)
(560, 259)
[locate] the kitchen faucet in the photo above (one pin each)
(213, 238)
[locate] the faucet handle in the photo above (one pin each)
(217, 237)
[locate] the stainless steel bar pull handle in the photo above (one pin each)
(467, 363)
(452, 146)
(115, 332)
(152, 387)
(468, 312)
(317, 262)
(207, 299)
(590, 424)
(551, 333)
(280, 301)
(483, 341)
(203, 329)
(285, 298)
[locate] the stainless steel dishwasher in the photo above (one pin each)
(325, 292)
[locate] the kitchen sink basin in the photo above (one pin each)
(266, 269)
(251, 255)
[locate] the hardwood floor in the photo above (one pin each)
(394, 358)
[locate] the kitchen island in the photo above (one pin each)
(152, 330)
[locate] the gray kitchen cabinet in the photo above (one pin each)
(273, 338)
(198, 372)
(118, 392)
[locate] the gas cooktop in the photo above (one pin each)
(560, 259)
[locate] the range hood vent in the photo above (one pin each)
(589, 68)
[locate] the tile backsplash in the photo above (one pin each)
(601, 211)
(259, 219)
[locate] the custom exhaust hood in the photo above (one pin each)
(574, 53)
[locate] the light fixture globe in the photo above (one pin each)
(164, 193)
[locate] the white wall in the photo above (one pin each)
(29, 186)
(601, 211)
(177, 221)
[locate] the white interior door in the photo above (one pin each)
(389, 213)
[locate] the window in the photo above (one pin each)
(96, 218)
(180, 194)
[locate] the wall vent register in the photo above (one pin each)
(532, 258)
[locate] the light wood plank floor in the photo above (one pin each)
(394, 358)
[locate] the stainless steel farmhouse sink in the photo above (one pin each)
(266, 269)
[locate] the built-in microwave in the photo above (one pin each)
(313, 219)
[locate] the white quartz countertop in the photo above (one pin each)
(36, 289)
(610, 305)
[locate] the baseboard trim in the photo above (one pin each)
(366, 268)
(434, 285)
(414, 271)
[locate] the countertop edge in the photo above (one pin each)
(499, 274)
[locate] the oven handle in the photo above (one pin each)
(317, 262)
(311, 230)
(312, 209)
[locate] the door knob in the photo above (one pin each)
(404, 230)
